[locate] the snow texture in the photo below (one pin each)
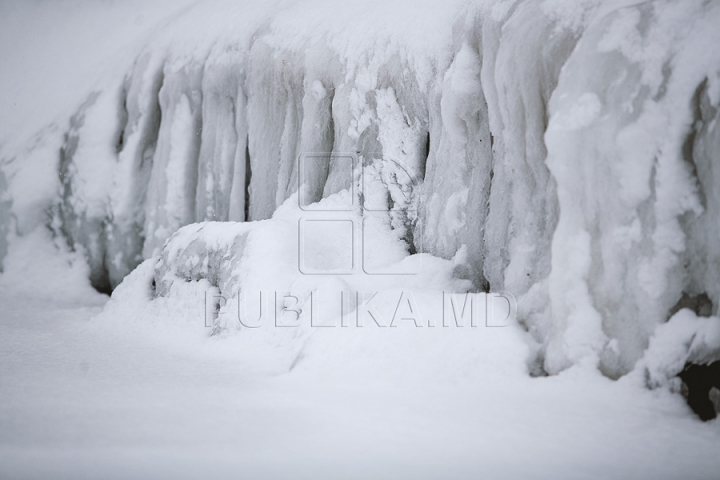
(561, 151)
(143, 391)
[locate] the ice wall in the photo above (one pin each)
(565, 148)
(629, 141)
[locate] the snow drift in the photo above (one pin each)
(561, 151)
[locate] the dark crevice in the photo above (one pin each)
(123, 121)
(101, 281)
(698, 381)
(329, 142)
(700, 304)
(151, 132)
(409, 236)
(423, 166)
(248, 177)
(688, 153)
(410, 240)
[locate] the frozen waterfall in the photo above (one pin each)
(564, 152)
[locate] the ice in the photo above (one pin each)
(630, 108)
(221, 183)
(341, 231)
(560, 151)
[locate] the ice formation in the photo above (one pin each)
(561, 151)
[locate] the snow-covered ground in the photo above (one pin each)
(84, 399)
(558, 152)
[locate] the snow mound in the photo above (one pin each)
(685, 339)
(240, 284)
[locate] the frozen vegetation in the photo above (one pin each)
(565, 152)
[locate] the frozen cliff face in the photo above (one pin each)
(631, 126)
(560, 151)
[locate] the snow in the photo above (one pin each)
(302, 209)
(629, 179)
(88, 398)
(684, 338)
